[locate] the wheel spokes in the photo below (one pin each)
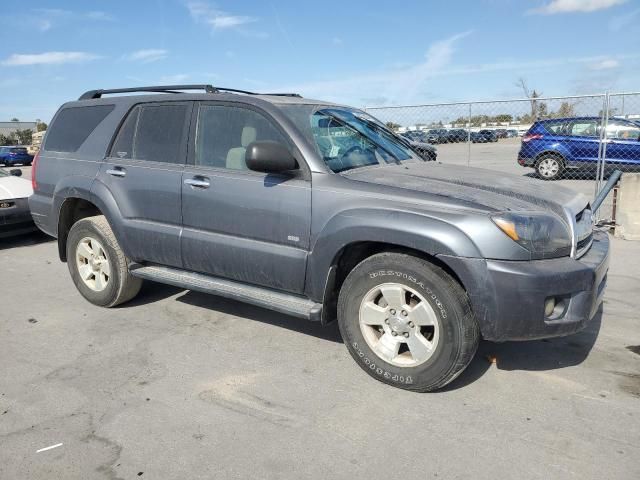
(387, 347)
(419, 347)
(372, 314)
(85, 251)
(422, 314)
(394, 295)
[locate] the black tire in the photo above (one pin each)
(122, 286)
(458, 330)
(549, 159)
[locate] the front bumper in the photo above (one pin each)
(508, 297)
(15, 219)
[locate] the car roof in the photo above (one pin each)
(252, 99)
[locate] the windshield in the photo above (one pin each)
(347, 138)
(3, 173)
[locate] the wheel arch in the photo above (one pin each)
(338, 252)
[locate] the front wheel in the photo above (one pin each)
(97, 264)
(549, 167)
(406, 322)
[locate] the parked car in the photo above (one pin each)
(15, 155)
(512, 133)
(501, 133)
(317, 211)
(417, 139)
(484, 136)
(554, 146)
(425, 150)
(457, 135)
(437, 135)
(15, 218)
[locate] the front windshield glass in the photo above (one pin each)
(348, 138)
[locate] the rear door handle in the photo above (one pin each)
(117, 172)
(197, 182)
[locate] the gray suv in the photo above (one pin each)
(317, 211)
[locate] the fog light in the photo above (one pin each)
(549, 306)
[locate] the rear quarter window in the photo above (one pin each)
(73, 126)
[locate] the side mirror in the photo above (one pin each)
(16, 172)
(269, 157)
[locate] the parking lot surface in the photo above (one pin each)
(179, 384)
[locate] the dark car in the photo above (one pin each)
(457, 135)
(15, 155)
(427, 151)
(554, 146)
(484, 136)
(437, 135)
(501, 133)
(317, 211)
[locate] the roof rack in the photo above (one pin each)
(92, 94)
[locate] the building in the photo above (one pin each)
(8, 128)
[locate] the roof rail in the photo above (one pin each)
(91, 94)
(235, 90)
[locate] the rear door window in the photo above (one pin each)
(154, 133)
(623, 131)
(73, 126)
(584, 128)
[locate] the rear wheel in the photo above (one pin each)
(97, 264)
(549, 167)
(406, 322)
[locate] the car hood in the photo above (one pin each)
(475, 187)
(14, 187)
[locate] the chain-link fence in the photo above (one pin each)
(576, 141)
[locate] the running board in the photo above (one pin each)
(289, 304)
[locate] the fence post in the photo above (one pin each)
(469, 137)
(602, 146)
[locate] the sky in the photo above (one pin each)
(362, 53)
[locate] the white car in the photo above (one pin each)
(15, 216)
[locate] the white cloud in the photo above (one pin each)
(336, 41)
(147, 55)
(606, 64)
(568, 6)
(217, 19)
(47, 18)
(48, 58)
(399, 85)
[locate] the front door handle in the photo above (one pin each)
(117, 172)
(197, 182)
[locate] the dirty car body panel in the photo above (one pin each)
(287, 233)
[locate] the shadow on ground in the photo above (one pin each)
(534, 355)
(25, 240)
(251, 312)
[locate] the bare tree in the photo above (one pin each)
(532, 95)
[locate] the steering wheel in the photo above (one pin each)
(355, 148)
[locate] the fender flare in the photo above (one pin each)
(428, 234)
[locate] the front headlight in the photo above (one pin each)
(544, 235)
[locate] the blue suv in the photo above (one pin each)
(559, 144)
(10, 156)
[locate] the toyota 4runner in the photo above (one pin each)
(318, 211)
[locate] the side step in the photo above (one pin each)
(289, 304)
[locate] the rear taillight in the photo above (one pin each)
(34, 167)
(527, 137)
